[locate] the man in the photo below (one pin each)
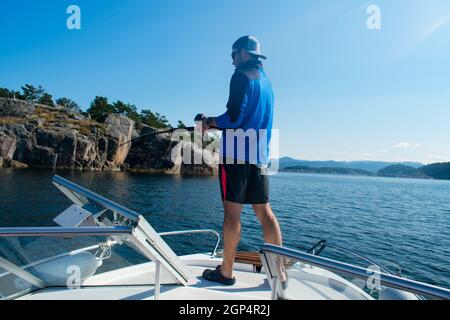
(243, 175)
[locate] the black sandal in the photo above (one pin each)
(216, 276)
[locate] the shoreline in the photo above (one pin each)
(174, 173)
(361, 175)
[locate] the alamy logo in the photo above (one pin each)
(74, 20)
(373, 282)
(241, 146)
(74, 278)
(374, 19)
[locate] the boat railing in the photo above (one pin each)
(182, 232)
(92, 201)
(271, 254)
(63, 232)
(320, 246)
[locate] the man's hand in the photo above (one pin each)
(200, 120)
(204, 123)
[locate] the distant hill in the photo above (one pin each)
(437, 170)
(325, 170)
(368, 168)
(402, 171)
(371, 166)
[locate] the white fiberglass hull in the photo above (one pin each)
(309, 283)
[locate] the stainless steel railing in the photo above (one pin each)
(171, 233)
(322, 244)
(62, 232)
(358, 272)
(73, 190)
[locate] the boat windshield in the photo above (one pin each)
(31, 263)
(98, 242)
(12, 286)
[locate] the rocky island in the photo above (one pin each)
(37, 135)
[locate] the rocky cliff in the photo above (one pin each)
(39, 136)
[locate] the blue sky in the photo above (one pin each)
(343, 92)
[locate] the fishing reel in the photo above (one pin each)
(199, 117)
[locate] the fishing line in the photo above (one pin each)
(198, 118)
(139, 139)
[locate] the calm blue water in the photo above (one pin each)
(401, 221)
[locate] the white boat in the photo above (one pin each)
(101, 250)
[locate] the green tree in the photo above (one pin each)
(100, 107)
(69, 104)
(46, 99)
(154, 120)
(31, 93)
(437, 170)
(4, 93)
(10, 94)
(16, 95)
(126, 109)
(162, 120)
(181, 125)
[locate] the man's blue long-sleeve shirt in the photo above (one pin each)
(250, 108)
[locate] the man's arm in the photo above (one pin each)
(237, 103)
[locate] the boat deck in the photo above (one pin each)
(249, 286)
(125, 284)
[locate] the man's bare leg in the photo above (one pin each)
(231, 236)
(272, 232)
(271, 228)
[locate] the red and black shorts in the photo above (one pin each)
(244, 183)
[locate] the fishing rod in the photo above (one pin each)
(151, 134)
(199, 117)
